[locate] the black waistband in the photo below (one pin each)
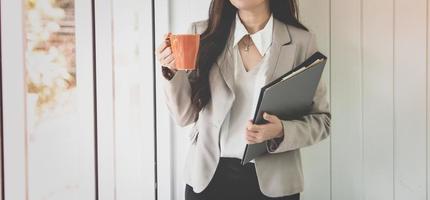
(234, 162)
(233, 166)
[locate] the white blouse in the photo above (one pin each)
(247, 85)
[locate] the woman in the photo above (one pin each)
(244, 45)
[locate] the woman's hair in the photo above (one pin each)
(213, 41)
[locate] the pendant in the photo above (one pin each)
(246, 48)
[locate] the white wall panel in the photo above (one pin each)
(316, 16)
(346, 100)
(410, 99)
(165, 126)
(105, 96)
(83, 144)
(378, 109)
(133, 99)
(14, 128)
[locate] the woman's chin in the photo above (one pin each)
(246, 4)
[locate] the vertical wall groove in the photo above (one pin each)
(154, 68)
(1, 114)
(330, 72)
(96, 166)
(114, 148)
(427, 102)
(1, 111)
(363, 172)
(25, 120)
(394, 102)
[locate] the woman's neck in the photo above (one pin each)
(255, 19)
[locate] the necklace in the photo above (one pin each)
(247, 44)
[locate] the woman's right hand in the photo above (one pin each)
(165, 56)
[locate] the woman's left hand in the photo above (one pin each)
(260, 133)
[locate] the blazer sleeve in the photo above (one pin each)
(310, 128)
(177, 92)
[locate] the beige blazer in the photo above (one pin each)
(280, 172)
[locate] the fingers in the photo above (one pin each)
(260, 133)
(161, 47)
(255, 133)
(165, 56)
(164, 44)
(171, 64)
(270, 118)
(167, 59)
(253, 127)
(250, 140)
(252, 137)
(166, 52)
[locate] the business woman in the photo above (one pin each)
(244, 45)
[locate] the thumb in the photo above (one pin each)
(166, 35)
(269, 117)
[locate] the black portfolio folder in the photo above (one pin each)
(289, 97)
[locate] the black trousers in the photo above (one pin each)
(232, 181)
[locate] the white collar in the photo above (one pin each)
(262, 38)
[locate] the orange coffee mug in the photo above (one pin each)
(185, 48)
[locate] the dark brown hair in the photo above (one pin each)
(213, 41)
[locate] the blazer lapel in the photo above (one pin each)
(280, 61)
(282, 52)
(225, 61)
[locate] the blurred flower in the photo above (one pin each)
(50, 68)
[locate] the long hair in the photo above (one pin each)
(213, 41)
